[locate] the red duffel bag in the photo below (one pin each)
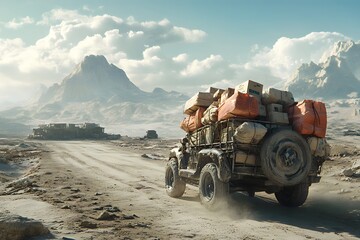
(309, 117)
(239, 105)
(193, 121)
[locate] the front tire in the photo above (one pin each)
(212, 191)
(175, 187)
(293, 196)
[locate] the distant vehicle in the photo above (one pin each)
(64, 131)
(212, 159)
(151, 134)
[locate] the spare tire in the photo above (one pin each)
(285, 157)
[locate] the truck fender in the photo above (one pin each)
(219, 158)
(182, 158)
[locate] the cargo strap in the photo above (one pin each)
(316, 116)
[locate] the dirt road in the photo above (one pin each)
(81, 179)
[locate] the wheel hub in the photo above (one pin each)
(209, 187)
(289, 157)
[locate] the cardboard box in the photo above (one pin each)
(212, 90)
(251, 87)
(226, 94)
(274, 107)
(244, 158)
(273, 95)
(217, 94)
(278, 117)
(262, 110)
(201, 99)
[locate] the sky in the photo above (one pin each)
(184, 46)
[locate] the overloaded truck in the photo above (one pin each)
(250, 140)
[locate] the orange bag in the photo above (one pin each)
(309, 118)
(239, 105)
(193, 121)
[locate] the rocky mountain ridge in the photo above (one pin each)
(337, 77)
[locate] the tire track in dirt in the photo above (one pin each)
(141, 188)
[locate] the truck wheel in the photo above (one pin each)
(285, 158)
(293, 196)
(212, 191)
(175, 187)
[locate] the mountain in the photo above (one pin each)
(350, 51)
(334, 78)
(96, 91)
(93, 79)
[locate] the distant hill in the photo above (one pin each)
(96, 91)
(337, 77)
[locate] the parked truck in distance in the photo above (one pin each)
(151, 134)
(70, 131)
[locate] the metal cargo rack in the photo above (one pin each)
(219, 135)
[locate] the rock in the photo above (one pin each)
(65, 207)
(356, 165)
(153, 156)
(18, 228)
(129, 217)
(20, 183)
(344, 191)
(87, 224)
(112, 209)
(23, 145)
(143, 225)
(98, 193)
(348, 172)
(105, 215)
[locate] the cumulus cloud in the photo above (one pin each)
(18, 23)
(288, 53)
(181, 58)
(197, 67)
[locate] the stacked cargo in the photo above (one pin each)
(248, 102)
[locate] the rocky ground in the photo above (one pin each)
(114, 190)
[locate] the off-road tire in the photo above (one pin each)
(175, 187)
(293, 196)
(213, 193)
(285, 158)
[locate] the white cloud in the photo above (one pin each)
(18, 23)
(289, 53)
(188, 34)
(181, 58)
(59, 14)
(197, 67)
(86, 8)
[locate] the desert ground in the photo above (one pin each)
(115, 190)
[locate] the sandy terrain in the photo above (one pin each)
(73, 183)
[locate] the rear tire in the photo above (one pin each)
(285, 158)
(213, 192)
(175, 187)
(293, 196)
